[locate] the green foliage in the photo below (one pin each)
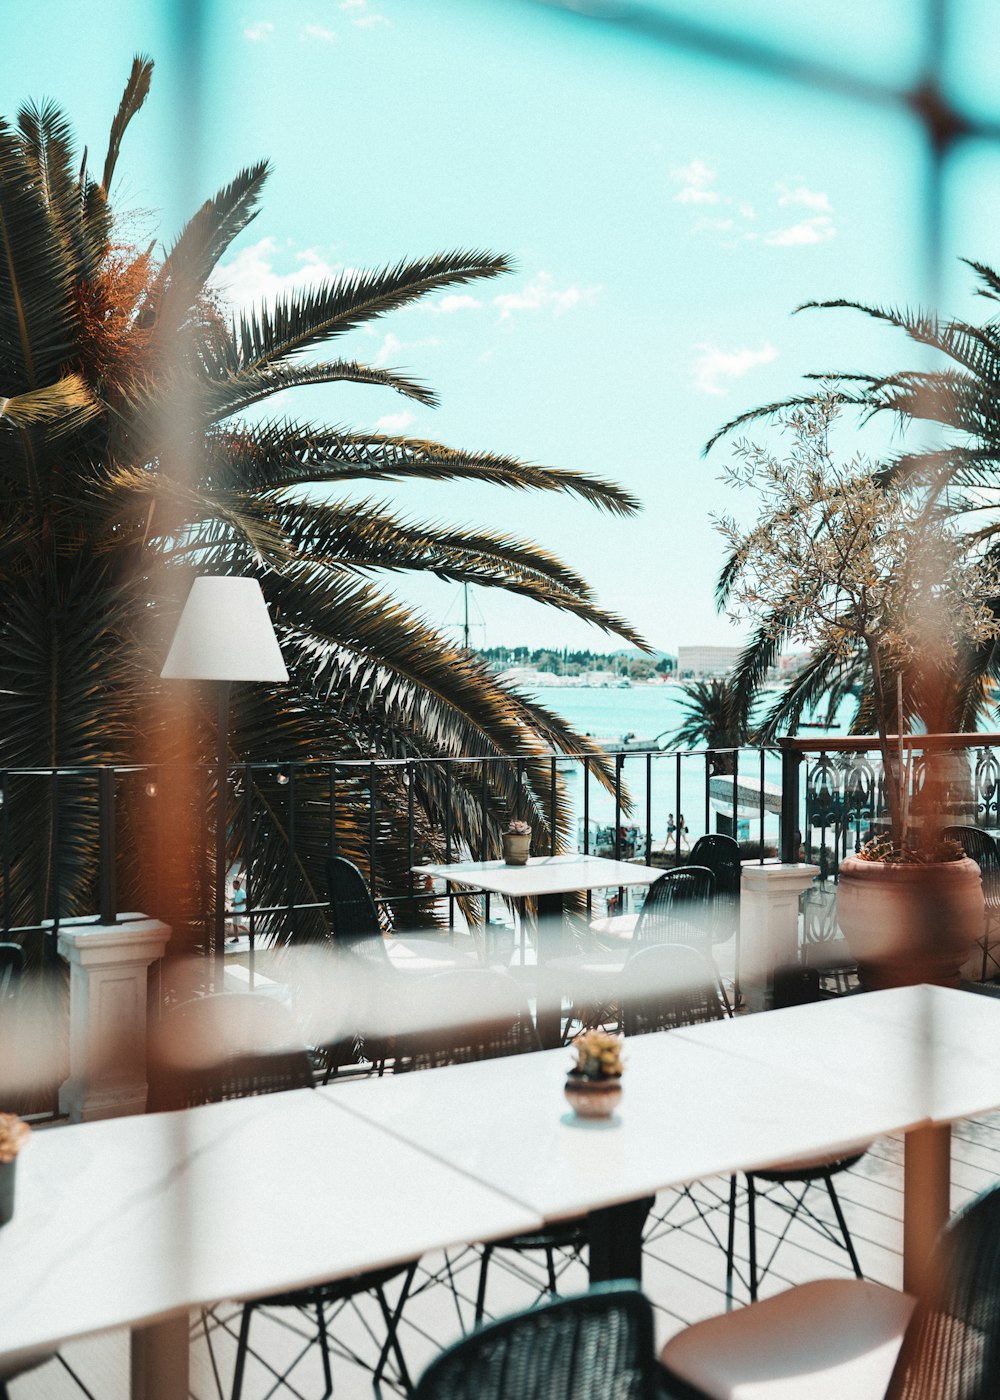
(865, 570)
(127, 466)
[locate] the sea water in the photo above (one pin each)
(652, 713)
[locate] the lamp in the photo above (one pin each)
(224, 634)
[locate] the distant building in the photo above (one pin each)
(706, 661)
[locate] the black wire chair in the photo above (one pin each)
(677, 909)
(667, 986)
(238, 1045)
(945, 1346)
(593, 1346)
(788, 1187)
(721, 855)
(481, 1014)
(357, 932)
(985, 851)
(823, 948)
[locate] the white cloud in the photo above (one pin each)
(815, 230)
(695, 180)
(260, 30)
(810, 199)
(541, 295)
(358, 13)
(316, 31)
(395, 423)
(714, 226)
(457, 301)
(392, 347)
(715, 368)
(250, 277)
(691, 195)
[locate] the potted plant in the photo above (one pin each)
(13, 1136)
(863, 570)
(517, 843)
(594, 1084)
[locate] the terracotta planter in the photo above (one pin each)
(910, 923)
(516, 848)
(593, 1098)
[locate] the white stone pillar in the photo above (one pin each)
(107, 1013)
(769, 925)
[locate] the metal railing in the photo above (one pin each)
(834, 788)
(377, 812)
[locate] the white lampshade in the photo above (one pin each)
(225, 634)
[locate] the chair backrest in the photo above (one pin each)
(677, 908)
(985, 851)
(353, 916)
(11, 968)
(590, 1347)
(951, 1350)
(721, 855)
(462, 1015)
(229, 1045)
(666, 985)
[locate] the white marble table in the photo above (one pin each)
(543, 875)
(732, 1095)
(131, 1221)
(928, 1053)
(545, 879)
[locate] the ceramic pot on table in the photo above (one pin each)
(516, 848)
(593, 1098)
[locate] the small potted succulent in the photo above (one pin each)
(13, 1135)
(594, 1084)
(516, 843)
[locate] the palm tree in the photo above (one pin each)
(130, 461)
(712, 720)
(959, 477)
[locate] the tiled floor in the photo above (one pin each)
(684, 1277)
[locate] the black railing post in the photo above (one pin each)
(107, 893)
(791, 836)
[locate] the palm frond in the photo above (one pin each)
(188, 265)
(135, 94)
(36, 277)
(297, 323)
(229, 393)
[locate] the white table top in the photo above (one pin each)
(544, 874)
(930, 1051)
(128, 1220)
(689, 1111)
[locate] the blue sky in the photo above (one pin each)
(666, 214)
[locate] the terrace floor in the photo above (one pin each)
(684, 1277)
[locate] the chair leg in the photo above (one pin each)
(845, 1233)
(242, 1346)
(731, 1244)
(484, 1264)
(324, 1351)
(752, 1226)
(391, 1319)
(550, 1268)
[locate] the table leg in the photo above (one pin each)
(926, 1197)
(548, 944)
(616, 1241)
(159, 1360)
